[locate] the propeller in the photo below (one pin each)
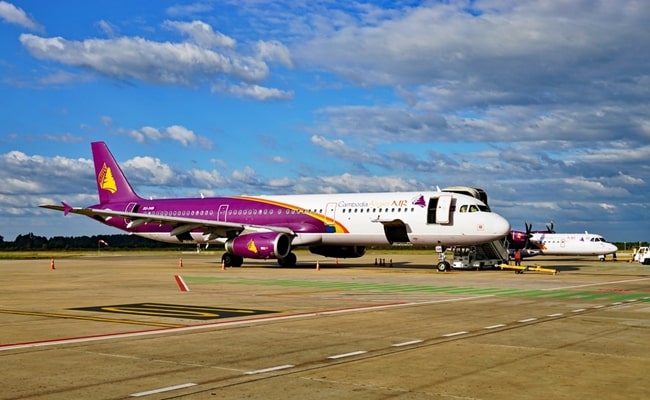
(529, 234)
(549, 227)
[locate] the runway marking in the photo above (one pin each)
(181, 284)
(175, 310)
(455, 334)
(353, 353)
(578, 310)
(88, 318)
(163, 390)
(495, 326)
(556, 315)
(410, 342)
(271, 369)
(527, 320)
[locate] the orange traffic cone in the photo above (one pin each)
(223, 265)
(317, 266)
(52, 264)
(180, 263)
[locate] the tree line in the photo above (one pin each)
(123, 241)
(120, 241)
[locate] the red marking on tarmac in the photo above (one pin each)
(181, 284)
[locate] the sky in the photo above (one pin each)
(543, 104)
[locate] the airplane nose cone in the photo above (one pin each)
(500, 225)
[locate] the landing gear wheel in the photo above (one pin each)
(237, 261)
(232, 260)
(443, 266)
(288, 261)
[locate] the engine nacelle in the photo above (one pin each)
(339, 251)
(261, 245)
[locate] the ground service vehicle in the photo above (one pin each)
(475, 257)
(642, 255)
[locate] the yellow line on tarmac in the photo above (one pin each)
(87, 318)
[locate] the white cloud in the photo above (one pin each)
(107, 28)
(149, 169)
(254, 91)
(274, 51)
(201, 33)
(207, 178)
(148, 61)
(177, 133)
(15, 15)
(106, 120)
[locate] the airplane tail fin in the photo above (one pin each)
(112, 185)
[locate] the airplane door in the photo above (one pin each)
(222, 212)
(443, 209)
(330, 215)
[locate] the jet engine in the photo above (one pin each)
(260, 245)
(339, 251)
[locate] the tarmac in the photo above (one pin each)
(119, 325)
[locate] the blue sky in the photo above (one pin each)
(545, 105)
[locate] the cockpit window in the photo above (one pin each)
(474, 208)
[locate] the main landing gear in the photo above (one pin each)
(233, 260)
(288, 261)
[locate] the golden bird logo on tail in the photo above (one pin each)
(106, 180)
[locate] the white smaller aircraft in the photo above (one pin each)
(531, 243)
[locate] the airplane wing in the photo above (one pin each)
(179, 225)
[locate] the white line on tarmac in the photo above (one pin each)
(527, 320)
(495, 326)
(162, 390)
(408, 343)
(354, 353)
(261, 371)
(556, 315)
(455, 333)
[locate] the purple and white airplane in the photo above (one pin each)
(270, 227)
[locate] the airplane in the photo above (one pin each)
(270, 227)
(531, 243)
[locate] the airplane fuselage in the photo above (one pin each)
(325, 219)
(564, 244)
